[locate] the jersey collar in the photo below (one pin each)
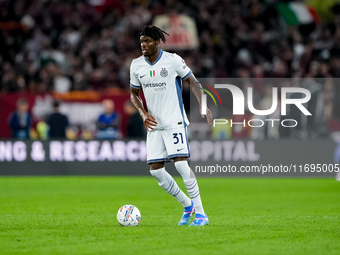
(158, 58)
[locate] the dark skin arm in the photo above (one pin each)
(148, 120)
(195, 85)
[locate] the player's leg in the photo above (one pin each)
(337, 177)
(168, 183)
(176, 143)
(156, 155)
(191, 184)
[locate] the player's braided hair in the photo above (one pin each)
(153, 32)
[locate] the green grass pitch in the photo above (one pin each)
(77, 215)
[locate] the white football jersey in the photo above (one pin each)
(162, 87)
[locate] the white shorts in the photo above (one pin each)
(163, 145)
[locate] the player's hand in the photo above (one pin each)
(149, 121)
(209, 116)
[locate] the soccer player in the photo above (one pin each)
(160, 74)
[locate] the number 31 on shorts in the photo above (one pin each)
(175, 136)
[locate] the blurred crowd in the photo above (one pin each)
(56, 125)
(65, 45)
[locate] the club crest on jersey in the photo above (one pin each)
(164, 72)
(152, 73)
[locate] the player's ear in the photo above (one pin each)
(158, 41)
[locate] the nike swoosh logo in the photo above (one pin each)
(142, 76)
(180, 149)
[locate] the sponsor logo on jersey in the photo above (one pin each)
(164, 72)
(154, 85)
(152, 73)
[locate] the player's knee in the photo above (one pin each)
(181, 165)
(159, 174)
(184, 169)
(156, 166)
(180, 159)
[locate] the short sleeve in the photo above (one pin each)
(181, 67)
(134, 82)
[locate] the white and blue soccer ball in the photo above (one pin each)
(128, 215)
